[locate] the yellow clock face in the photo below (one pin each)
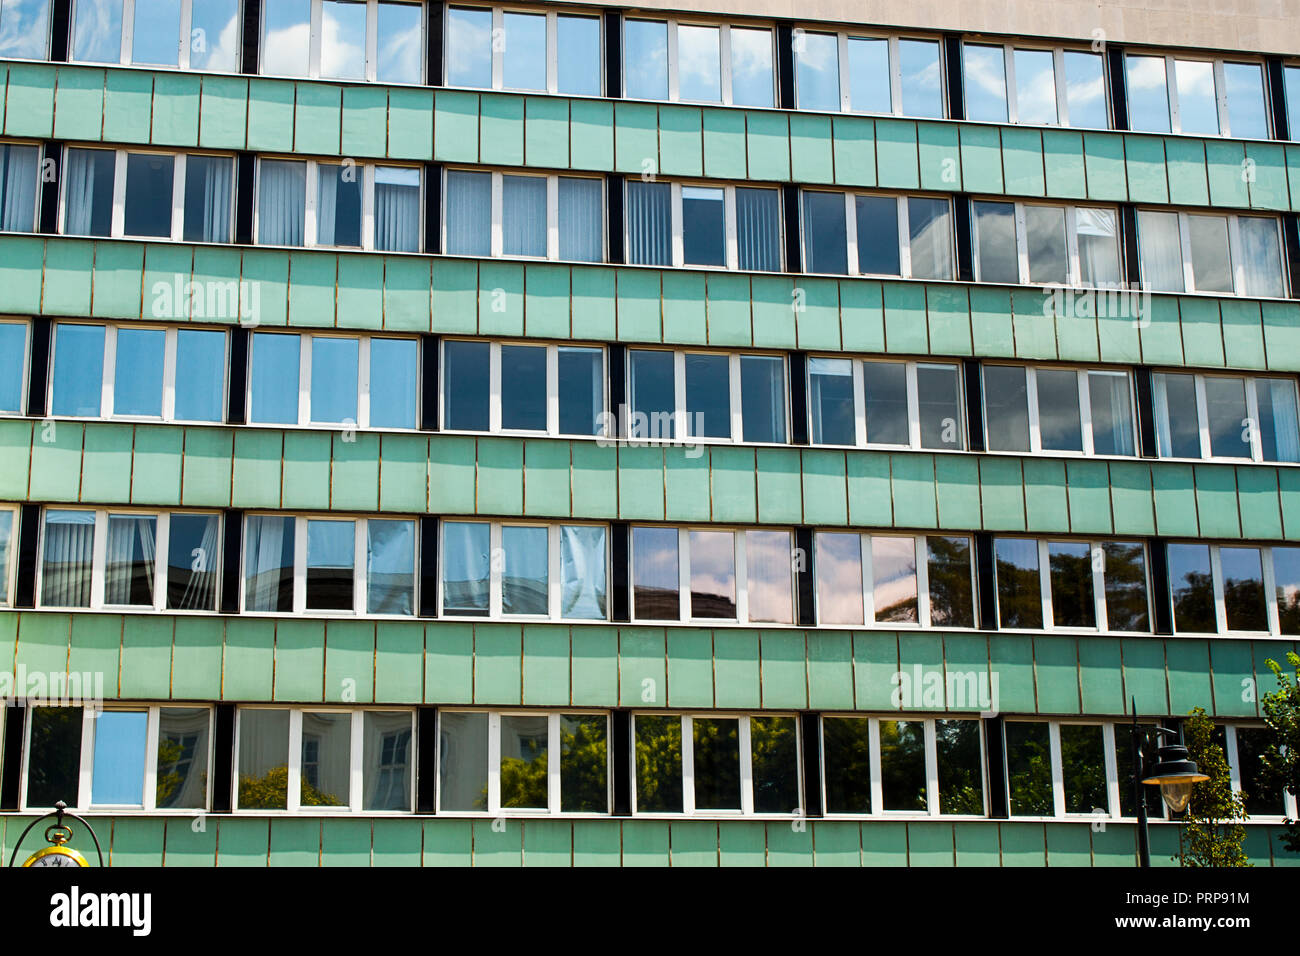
(56, 856)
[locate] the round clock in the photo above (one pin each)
(57, 854)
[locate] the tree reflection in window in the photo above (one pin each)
(961, 776)
(775, 767)
(658, 764)
(1083, 764)
(1029, 769)
(902, 764)
(1193, 588)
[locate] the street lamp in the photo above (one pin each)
(1174, 773)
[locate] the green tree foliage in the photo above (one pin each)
(270, 791)
(1212, 830)
(583, 775)
(1281, 757)
(1029, 769)
(658, 763)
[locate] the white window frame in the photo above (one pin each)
(731, 241)
(1252, 414)
(36, 191)
(9, 554)
(904, 231)
(25, 370)
(315, 25)
(183, 39)
(1074, 269)
(552, 46)
(725, 78)
(1085, 410)
(1268, 579)
(1235, 255)
(860, 437)
(895, 68)
(497, 244)
(1060, 88)
(1289, 799)
(1220, 87)
(356, 759)
(1113, 784)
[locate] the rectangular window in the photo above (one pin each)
(712, 557)
(88, 192)
(1071, 584)
(830, 401)
(868, 74)
(540, 217)
(1263, 796)
(66, 558)
(24, 29)
(1042, 409)
(1029, 768)
(1291, 87)
(1059, 245)
(655, 579)
(1196, 97)
(365, 206)
(899, 404)
(193, 561)
(131, 561)
(1222, 416)
(733, 227)
(363, 40)
(985, 77)
(494, 48)
(893, 580)
(269, 545)
(8, 565)
(18, 179)
(825, 233)
(1286, 588)
(1085, 90)
(330, 578)
(909, 236)
(13, 367)
(698, 63)
(160, 33)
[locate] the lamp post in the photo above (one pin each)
(1174, 773)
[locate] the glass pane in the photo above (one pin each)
(1193, 588)
(961, 767)
(716, 743)
(331, 560)
(893, 568)
(148, 205)
(263, 759)
(1074, 601)
(584, 763)
(523, 216)
(774, 749)
(1125, 572)
(658, 764)
(76, 384)
(578, 56)
(1243, 589)
(465, 386)
(1286, 574)
(995, 242)
(394, 382)
(1147, 744)
(703, 226)
(462, 761)
(6, 561)
(155, 33)
(1006, 408)
(97, 31)
(878, 247)
(334, 379)
(645, 59)
(386, 758)
(465, 567)
(182, 781)
(130, 560)
(390, 567)
(817, 64)
(1291, 75)
(582, 219)
(1247, 114)
(56, 736)
(699, 72)
(268, 563)
(1029, 769)
(1262, 794)
(655, 581)
(582, 390)
(751, 68)
(24, 30)
(582, 572)
(839, 578)
(1261, 256)
(1178, 434)
(708, 395)
(523, 387)
(769, 579)
(1198, 108)
(830, 401)
(193, 561)
(326, 757)
(921, 78)
(88, 191)
(1112, 416)
(1225, 408)
(1035, 87)
(399, 47)
(138, 372)
(929, 221)
(281, 203)
(1085, 89)
(941, 411)
(1098, 238)
(200, 375)
(1148, 98)
(1160, 251)
(649, 223)
(1045, 234)
(118, 772)
(952, 601)
(846, 747)
(869, 86)
(1211, 262)
(469, 213)
(1058, 409)
(338, 205)
(18, 184)
(1083, 761)
(985, 71)
(524, 752)
(713, 574)
(651, 388)
(469, 47)
(524, 570)
(825, 233)
(762, 398)
(286, 37)
(1020, 598)
(902, 765)
(215, 35)
(343, 39)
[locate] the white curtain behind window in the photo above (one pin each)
(649, 224)
(65, 564)
(523, 216)
(397, 209)
(1160, 407)
(1286, 428)
(327, 195)
(263, 560)
(582, 572)
(79, 191)
(758, 229)
(1098, 247)
(201, 589)
(17, 188)
(215, 175)
(1261, 256)
(469, 213)
(281, 203)
(1160, 251)
(122, 557)
(582, 217)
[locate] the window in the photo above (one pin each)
(189, 34)
(124, 757)
(698, 63)
(882, 766)
(1066, 410)
(1063, 245)
(1059, 769)
(13, 367)
(1291, 90)
(543, 217)
(324, 760)
(18, 181)
(1225, 416)
(1192, 252)
(343, 40)
(1071, 584)
(706, 395)
(523, 762)
(1197, 97)
(8, 545)
(716, 764)
(24, 29)
(908, 236)
(367, 382)
(344, 205)
(544, 571)
(1218, 589)
(1244, 749)
(492, 48)
(888, 403)
(1039, 87)
(895, 580)
(736, 227)
(868, 74)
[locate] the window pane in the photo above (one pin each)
(469, 213)
(995, 242)
(155, 32)
(326, 759)
(961, 767)
(462, 761)
(1098, 247)
(1263, 795)
(1243, 589)
(830, 394)
(56, 736)
(465, 385)
(893, 566)
(1286, 573)
(708, 395)
(713, 574)
(24, 30)
(582, 390)
(182, 780)
(762, 398)
(338, 205)
(846, 746)
(1058, 409)
(215, 28)
(751, 68)
(88, 192)
(148, 205)
(1178, 434)
(138, 372)
(1292, 81)
(207, 198)
(1261, 256)
(397, 209)
(524, 752)
(645, 63)
(1148, 99)
(523, 387)
(399, 46)
(584, 763)
(118, 771)
(699, 72)
(334, 379)
(1045, 235)
(1035, 87)
(1198, 108)
(286, 37)
(658, 764)
(263, 759)
(952, 601)
(1160, 251)
(655, 580)
(1279, 434)
(869, 75)
(1006, 408)
(817, 67)
(78, 375)
(1085, 89)
(929, 221)
(524, 570)
(774, 749)
(1147, 742)
(13, 361)
(1074, 602)
(281, 202)
(1126, 586)
(97, 31)
(1020, 598)
(922, 78)
(825, 232)
(1193, 588)
(578, 56)
(18, 187)
(193, 560)
(268, 563)
(469, 47)
(6, 561)
(1225, 407)
(703, 226)
(650, 386)
(130, 560)
(902, 765)
(839, 578)
(390, 567)
(878, 247)
(523, 216)
(985, 71)
(716, 743)
(386, 758)
(769, 579)
(941, 410)
(331, 561)
(343, 40)
(1211, 262)
(582, 219)
(1112, 417)
(1083, 761)
(465, 567)
(394, 382)
(649, 224)
(1247, 114)
(1029, 768)
(582, 572)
